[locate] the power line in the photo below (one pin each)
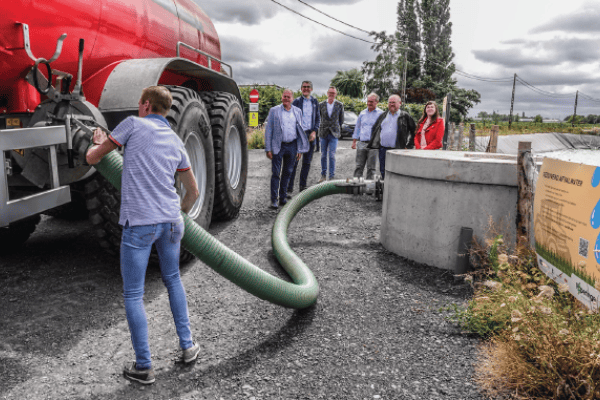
(456, 70)
(335, 19)
(326, 26)
(459, 72)
(543, 92)
(585, 96)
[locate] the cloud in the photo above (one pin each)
(235, 11)
(253, 12)
(497, 96)
(584, 20)
(257, 64)
(542, 53)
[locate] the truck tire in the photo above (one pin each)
(189, 119)
(231, 153)
(76, 209)
(15, 234)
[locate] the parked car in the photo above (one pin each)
(350, 119)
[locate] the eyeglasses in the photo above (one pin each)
(306, 87)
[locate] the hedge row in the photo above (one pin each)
(270, 96)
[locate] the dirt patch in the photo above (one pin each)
(375, 331)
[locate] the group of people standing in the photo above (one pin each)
(295, 128)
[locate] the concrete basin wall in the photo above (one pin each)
(430, 195)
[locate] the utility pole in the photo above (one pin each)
(575, 110)
(404, 78)
(446, 117)
(512, 102)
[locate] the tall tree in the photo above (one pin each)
(437, 44)
(381, 75)
(408, 39)
(427, 28)
(349, 83)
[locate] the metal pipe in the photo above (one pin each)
(77, 89)
(464, 245)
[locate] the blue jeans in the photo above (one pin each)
(382, 151)
(306, 160)
(287, 157)
(136, 244)
(328, 148)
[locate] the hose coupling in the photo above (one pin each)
(360, 186)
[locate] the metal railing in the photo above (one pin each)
(208, 56)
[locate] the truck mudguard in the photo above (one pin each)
(125, 83)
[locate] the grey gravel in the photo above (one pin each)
(375, 333)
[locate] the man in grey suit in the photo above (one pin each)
(285, 141)
(332, 118)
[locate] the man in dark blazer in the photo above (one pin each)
(311, 119)
(394, 129)
(332, 118)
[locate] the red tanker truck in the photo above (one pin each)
(68, 67)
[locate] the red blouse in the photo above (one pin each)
(434, 134)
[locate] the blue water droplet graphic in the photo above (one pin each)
(595, 217)
(596, 177)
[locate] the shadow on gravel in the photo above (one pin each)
(437, 280)
(186, 378)
(12, 373)
(58, 286)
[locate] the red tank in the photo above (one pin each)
(114, 31)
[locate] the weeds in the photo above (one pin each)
(541, 342)
(256, 138)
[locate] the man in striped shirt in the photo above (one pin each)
(150, 214)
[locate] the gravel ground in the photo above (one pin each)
(375, 332)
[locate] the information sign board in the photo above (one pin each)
(567, 227)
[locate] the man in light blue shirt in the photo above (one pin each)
(362, 136)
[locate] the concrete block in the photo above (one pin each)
(430, 195)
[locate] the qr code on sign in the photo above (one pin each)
(583, 247)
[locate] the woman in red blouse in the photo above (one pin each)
(432, 125)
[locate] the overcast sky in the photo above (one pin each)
(552, 44)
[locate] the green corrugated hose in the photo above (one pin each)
(300, 294)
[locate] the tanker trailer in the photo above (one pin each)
(100, 55)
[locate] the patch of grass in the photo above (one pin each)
(256, 138)
(541, 342)
(484, 129)
(564, 265)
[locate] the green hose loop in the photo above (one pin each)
(300, 294)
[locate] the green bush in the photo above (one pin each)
(270, 96)
(256, 138)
